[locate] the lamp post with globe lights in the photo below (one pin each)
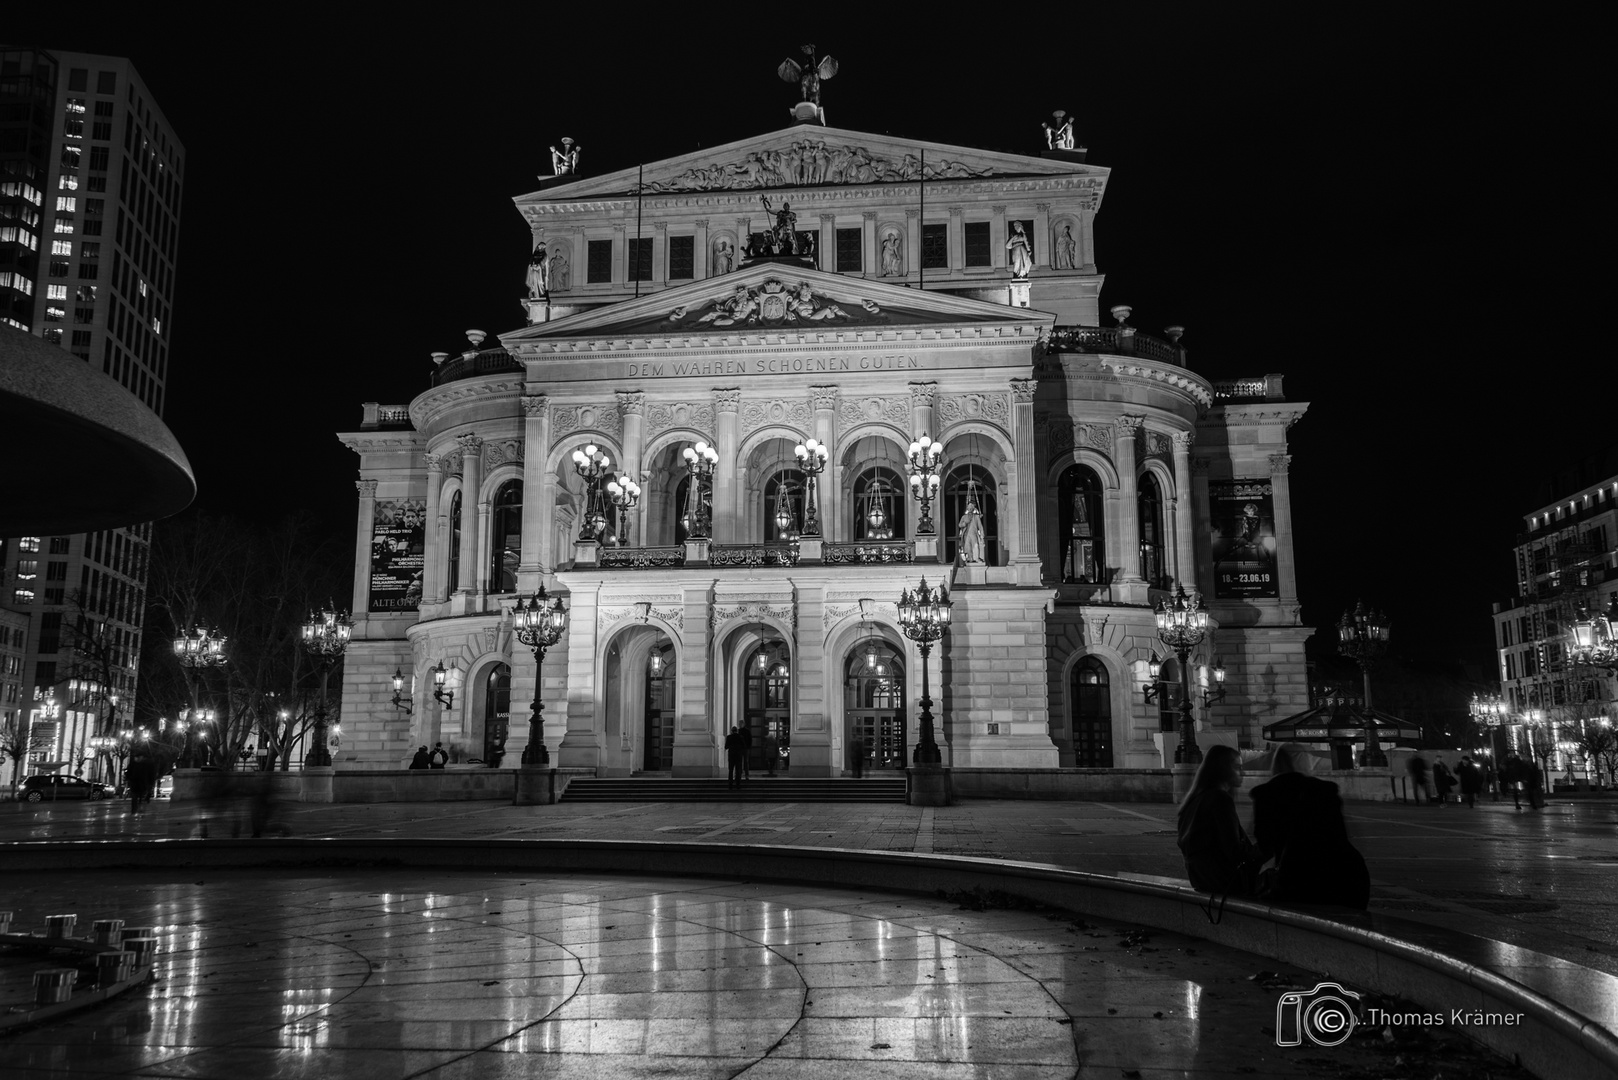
(1182, 623)
(926, 464)
(198, 651)
(325, 638)
(700, 461)
(540, 624)
(924, 616)
(1362, 636)
(624, 494)
(811, 455)
(1490, 711)
(592, 463)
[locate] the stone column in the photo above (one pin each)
(1127, 429)
(660, 253)
(579, 747)
(744, 229)
(536, 519)
(696, 750)
(1022, 475)
(912, 244)
(471, 512)
(823, 399)
(362, 546)
(1042, 236)
(632, 407)
(923, 395)
(868, 256)
(1285, 564)
(1185, 536)
(1199, 496)
(997, 238)
(1087, 244)
(725, 511)
(827, 254)
(957, 238)
(433, 530)
(699, 254)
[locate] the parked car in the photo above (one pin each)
(41, 788)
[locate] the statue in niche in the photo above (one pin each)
(539, 285)
(724, 257)
(786, 226)
(970, 531)
(1067, 249)
(1059, 136)
(559, 270)
(1020, 251)
(807, 74)
(893, 258)
(566, 160)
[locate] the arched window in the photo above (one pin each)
(967, 484)
(783, 505)
(879, 505)
(1091, 696)
(505, 537)
(496, 713)
(454, 581)
(1079, 516)
(1149, 516)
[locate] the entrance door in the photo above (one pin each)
(768, 713)
(1092, 715)
(659, 731)
(496, 714)
(874, 702)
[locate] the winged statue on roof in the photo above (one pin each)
(808, 74)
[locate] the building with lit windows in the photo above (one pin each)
(90, 194)
(1566, 562)
(914, 289)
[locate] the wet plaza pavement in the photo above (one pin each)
(403, 973)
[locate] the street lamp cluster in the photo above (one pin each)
(926, 467)
(1362, 636)
(592, 463)
(624, 494)
(540, 624)
(924, 615)
(700, 462)
(325, 638)
(1182, 623)
(811, 455)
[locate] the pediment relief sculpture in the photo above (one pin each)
(774, 301)
(813, 162)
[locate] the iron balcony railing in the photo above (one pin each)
(470, 365)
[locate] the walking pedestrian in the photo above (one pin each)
(1511, 771)
(1298, 822)
(1534, 782)
(1443, 780)
(735, 756)
(1470, 775)
(1417, 768)
(1491, 780)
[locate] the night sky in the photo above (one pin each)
(1397, 215)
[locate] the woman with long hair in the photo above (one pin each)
(1219, 858)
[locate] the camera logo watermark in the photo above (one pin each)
(1325, 1016)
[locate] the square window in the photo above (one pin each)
(81, 338)
(104, 108)
(89, 271)
(83, 315)
(640, 259)
(106, 82)
(935, 247)
(53, 335)
(849, 251)
(78, 79)
(56, 292)
(98, 163)
(598, 262)
(55, 314)
(85, 295)
(682, 258)
(977, 244)
(97, 183)
(101, 130)
(95, 207)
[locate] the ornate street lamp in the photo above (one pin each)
(1182, 623)
(325, 637)
(926, 461)
(592, 463)
(624, 494)
(812, 455)
(923, 617)
(399, 700)
(1363, 638)
(540, 624)
(1595, 639)
(199, 648)
(445, 698)
(699, 462)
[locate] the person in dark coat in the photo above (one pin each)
(1219, 858)
(439, 757)
(735, 756)
(747, 751)
(421, 760)
(1534, 783)
(141, 778)
(1417, 767)
(1443, 780)
(1511, 771)
(856, 753)
(1470, 775)
(1298, 822)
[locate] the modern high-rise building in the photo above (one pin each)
(90, 187)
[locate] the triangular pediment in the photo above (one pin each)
(808, 156)
(778, 298)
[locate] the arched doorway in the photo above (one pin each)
(496, 713)
(1090, 692)
(658, 725)
(767, 709)
(874, 704)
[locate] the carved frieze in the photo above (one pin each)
(671, 612)
(993, 407)
(729, 611)
(780, 411)
(833, 612)
(500, 451)
(777, 301)
(1062, 435)
(1158, 444)
(812, 162)
(662, 415)
(864, 410)
(566, 419)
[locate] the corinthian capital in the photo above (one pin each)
(923, 394)
(469, 443)
(1183, 441)
(1129, 425)
(631, 402)
(1279, 463)
(727, 400)
(1022, 390)
(366, 488)
(534, 404)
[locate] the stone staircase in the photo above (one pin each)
(761, 788)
